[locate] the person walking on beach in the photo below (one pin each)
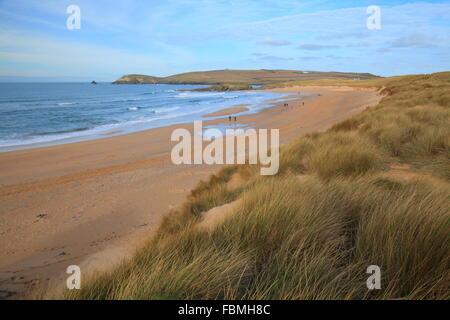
(229, 118)
(235, 118)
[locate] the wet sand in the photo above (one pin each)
(226, 112)
(92, 203)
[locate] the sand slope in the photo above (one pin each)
(91, 203)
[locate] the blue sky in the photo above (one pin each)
(167, 37)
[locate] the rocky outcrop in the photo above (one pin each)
(226, 87)
(136, 79)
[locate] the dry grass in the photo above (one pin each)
(241, 76)
(342, 155)
(313, 236)
(294, 239)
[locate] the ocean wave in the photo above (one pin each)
(24, 100)
(118, 100)
(128, 100)
(99, 101)
(60, 132)
(162, 110)
(57, 136)
(52, 137)
(184, 95)
(94, 117)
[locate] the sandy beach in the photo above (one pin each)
(227, 111)
(92, 203)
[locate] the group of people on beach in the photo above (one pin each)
(286, 105)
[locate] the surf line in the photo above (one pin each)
(231, 149)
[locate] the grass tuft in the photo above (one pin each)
(311, 231)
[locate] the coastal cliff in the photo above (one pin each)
(248, 77)
(136, 79)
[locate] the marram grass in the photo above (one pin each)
(311, 231)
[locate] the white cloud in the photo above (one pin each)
(335, 25)
(175, 35)
(70, 57)
(312, 46)
(274, 42)
(268, 57)
(420, 41)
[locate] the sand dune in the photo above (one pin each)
(77, 203)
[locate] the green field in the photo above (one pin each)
(239, 77)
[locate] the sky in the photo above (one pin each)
(166, 37)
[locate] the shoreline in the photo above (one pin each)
(236, 109)
(96, 133)
(99, 199)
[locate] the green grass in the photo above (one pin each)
(311, 231)
(342, 155)
(248, 77)
(226, 87)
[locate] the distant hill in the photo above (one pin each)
(241, 77)
(136, 79)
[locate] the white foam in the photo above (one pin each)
(187, 111)
(198, 95)
(163, 110)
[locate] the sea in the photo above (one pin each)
(42, 114)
